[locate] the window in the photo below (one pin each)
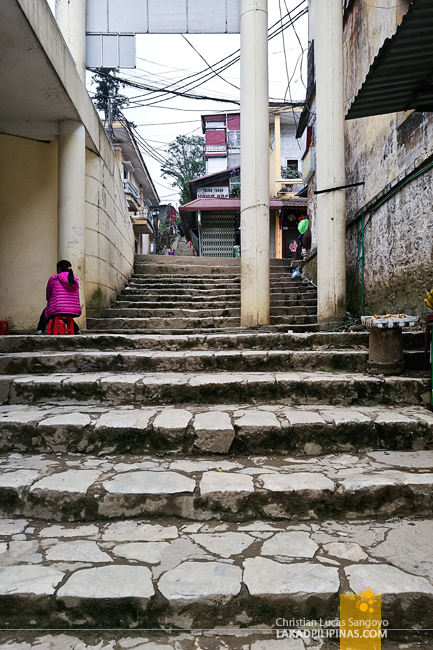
(292, 167)
(234, 139)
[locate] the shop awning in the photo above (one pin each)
(401, 76)
(234, 205)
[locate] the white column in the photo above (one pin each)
(254, 164)
(71, 19)
(71, 226)
(330, 161)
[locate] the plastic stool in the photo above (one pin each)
(57, 325)
(4, 327)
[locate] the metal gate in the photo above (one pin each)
(217, 234)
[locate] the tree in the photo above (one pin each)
(107, 98)
(185, 161)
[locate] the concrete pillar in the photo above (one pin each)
(277, 137)
(71, 225)
(330, 163)
(254, 164)
(71, 19)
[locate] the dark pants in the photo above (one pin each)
(42, 325)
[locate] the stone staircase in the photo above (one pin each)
(170, 295)
(155, 483)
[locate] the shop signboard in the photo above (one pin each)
(213, 193)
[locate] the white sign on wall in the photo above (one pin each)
(213, 193)
(166, 17)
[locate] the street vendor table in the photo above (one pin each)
(385, 348)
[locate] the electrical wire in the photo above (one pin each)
(205, 75)
(300, 45)
(208, 64)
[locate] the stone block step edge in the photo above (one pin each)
(243, 638)
(152, 575)
(295, 388)
(236, 429)
(242, 340)
(211, 323)
(193, 361)
(352, 486)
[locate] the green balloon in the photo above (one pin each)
(303, 226)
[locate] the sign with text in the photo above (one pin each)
(168, 17)
(213, 193)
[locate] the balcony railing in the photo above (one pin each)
(129, 188)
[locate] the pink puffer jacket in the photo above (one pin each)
(62, 297)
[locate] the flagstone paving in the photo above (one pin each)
(171, 572)
(209, 483)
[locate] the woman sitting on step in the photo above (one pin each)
(63, 296)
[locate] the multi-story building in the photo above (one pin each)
(140, 193)
(212, 218)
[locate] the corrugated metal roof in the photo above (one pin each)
(234, 205)
(401, 76)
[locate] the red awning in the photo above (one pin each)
(234, 205)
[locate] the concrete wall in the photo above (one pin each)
(28, 227)
(289, 145)
(381, 151)
(109, 232)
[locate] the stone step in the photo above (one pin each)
(180, 324)
(206, 296)
(213, 277)
(295, 388)
(200, 311)
(196, 429)
(184, 361)
(201, 302)
(244, 340)
(216, 639)
(179, 312)
(153, 575)
(413, 341)
(223, 284)
(71, 487)
(215, 284)
(144, 300)
(193, 361)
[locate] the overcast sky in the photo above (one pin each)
(162, 59)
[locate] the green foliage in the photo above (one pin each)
(107, 93)
(185, 161)
(235, 192)
(290, 173)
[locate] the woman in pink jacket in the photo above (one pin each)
(63, 296)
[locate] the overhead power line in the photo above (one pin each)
(157, 94)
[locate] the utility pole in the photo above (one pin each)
(255, 279)
(330, 161)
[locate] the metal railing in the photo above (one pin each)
(129, 188)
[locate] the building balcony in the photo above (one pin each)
(288, 186)
(129, 188)
(142, 226)
(216, 150)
